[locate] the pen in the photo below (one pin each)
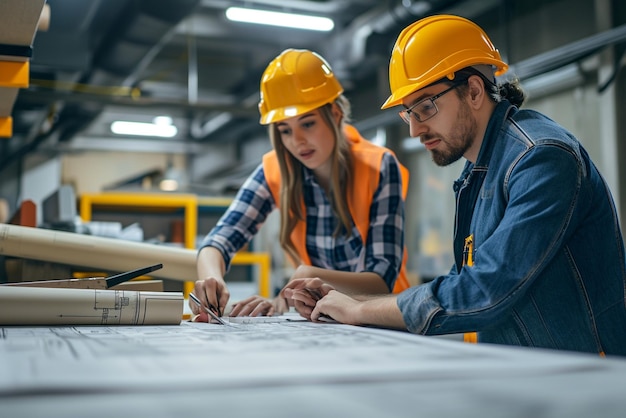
(210, 310)
(89, 282)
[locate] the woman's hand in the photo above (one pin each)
(210, 288)
(259, 306)
(304, 293)
(213, 294)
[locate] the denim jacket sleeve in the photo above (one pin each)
(521, 220)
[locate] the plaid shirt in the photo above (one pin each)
(382, 254)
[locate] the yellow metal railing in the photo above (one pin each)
(189, 203)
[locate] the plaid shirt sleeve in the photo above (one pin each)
(243, 218)
(385, 239)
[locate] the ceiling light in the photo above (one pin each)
(289, 20)
(162, 127)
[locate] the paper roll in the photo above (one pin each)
(44, 306)
(96, 252)
(4, 210)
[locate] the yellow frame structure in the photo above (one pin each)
(189, 203)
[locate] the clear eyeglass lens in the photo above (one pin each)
(427, 108)
(421, 111)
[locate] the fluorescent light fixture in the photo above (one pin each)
(288, 20)
(161, 127)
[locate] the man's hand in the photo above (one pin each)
(338, 306)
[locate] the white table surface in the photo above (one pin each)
(293, 368)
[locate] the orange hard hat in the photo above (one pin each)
(436, 47)
(295, 82)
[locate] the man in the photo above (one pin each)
(539, 255)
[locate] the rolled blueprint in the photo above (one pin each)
(45, 306)
(96, 252)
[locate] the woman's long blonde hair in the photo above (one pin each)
(291, 185)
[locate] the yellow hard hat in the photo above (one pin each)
(295, 82)
(436, 47)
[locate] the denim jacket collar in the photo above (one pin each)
(503, 110)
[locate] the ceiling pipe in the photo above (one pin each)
(360, 43)
(567, 54)
(98, 100)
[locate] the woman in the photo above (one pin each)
(341, 198)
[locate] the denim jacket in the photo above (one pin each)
(539, 254)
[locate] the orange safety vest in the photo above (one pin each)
(367, 158)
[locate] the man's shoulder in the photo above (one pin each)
(530, 128)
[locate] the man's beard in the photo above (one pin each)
(459, 140)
